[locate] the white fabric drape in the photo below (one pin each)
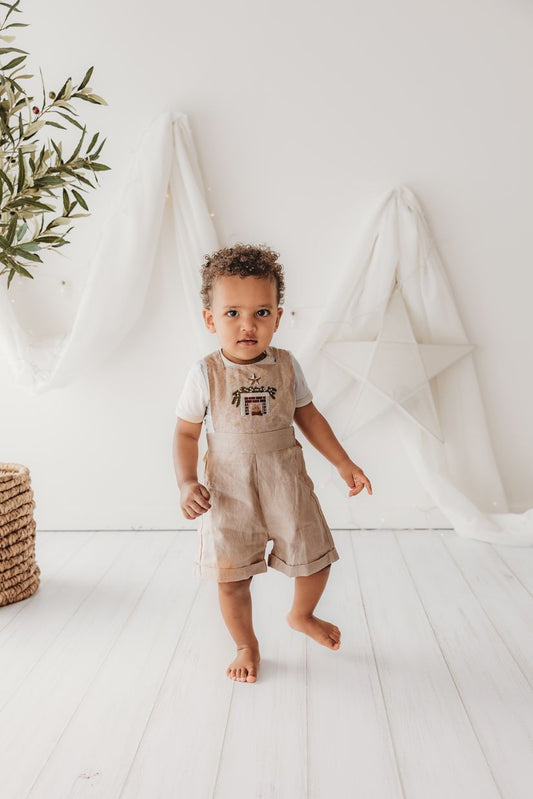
(120, 271)
(458, 472)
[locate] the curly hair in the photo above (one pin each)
(244, 260)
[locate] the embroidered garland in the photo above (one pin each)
(236, 396)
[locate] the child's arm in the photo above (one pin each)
(194, 497)
(317, 430)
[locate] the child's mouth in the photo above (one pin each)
(247, 341)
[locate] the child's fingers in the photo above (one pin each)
(192, 509)
(199, 507)
(360, 481)
(192, 513)
(203, 490)
(200, 500)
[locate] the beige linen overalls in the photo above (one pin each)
(255, 473)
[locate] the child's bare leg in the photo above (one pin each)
(307, 592)
(236, 606)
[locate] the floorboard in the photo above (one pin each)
(114, 687)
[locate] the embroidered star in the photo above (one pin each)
(254, 379)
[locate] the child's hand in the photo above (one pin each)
(194, 499)
(354, 477)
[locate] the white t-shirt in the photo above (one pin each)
(193, 404)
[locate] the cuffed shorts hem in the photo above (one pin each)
(303, 569)
(229, 575)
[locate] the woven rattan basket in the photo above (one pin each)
(19, 573)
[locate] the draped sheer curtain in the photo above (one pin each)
(120, 271)
(456, 467)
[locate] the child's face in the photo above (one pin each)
(244, 314)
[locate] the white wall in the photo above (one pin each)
(304, 115)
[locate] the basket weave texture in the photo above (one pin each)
(19, 573)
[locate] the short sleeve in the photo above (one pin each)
(194, 396)
(302, 390)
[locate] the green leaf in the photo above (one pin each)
(58, 150)
(20, 269)
(97, 153)
(6, 181)
(78, 147)
(55, 124)
(10, 235)
(64, 89)
(80, 199)
(13, 63)
(22, 172)
(93, 142)
(4, 50)
(60, 220)
(10, 278)
(91, 98)
(82, 179)
(99, 167)
(48, 180)
(72, 121)
(40, 206)
(66, 202)
(22, 231)
(29, 246)
(20, 252)
(86, 79)
(48, 239)
(12, 7)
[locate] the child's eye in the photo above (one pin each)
(263, 312)
(231, 313)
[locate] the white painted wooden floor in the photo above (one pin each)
(112, 676)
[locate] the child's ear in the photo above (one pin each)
(280, 311)
(207, 313)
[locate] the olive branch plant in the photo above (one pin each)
(36, 178)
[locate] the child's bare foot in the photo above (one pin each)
(244, 667)
(321, 631)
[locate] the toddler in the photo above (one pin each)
(255, 486)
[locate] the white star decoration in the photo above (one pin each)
(254, 379)
(395, 370)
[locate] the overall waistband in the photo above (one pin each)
(267, 441)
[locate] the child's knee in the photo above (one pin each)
(235, 586)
